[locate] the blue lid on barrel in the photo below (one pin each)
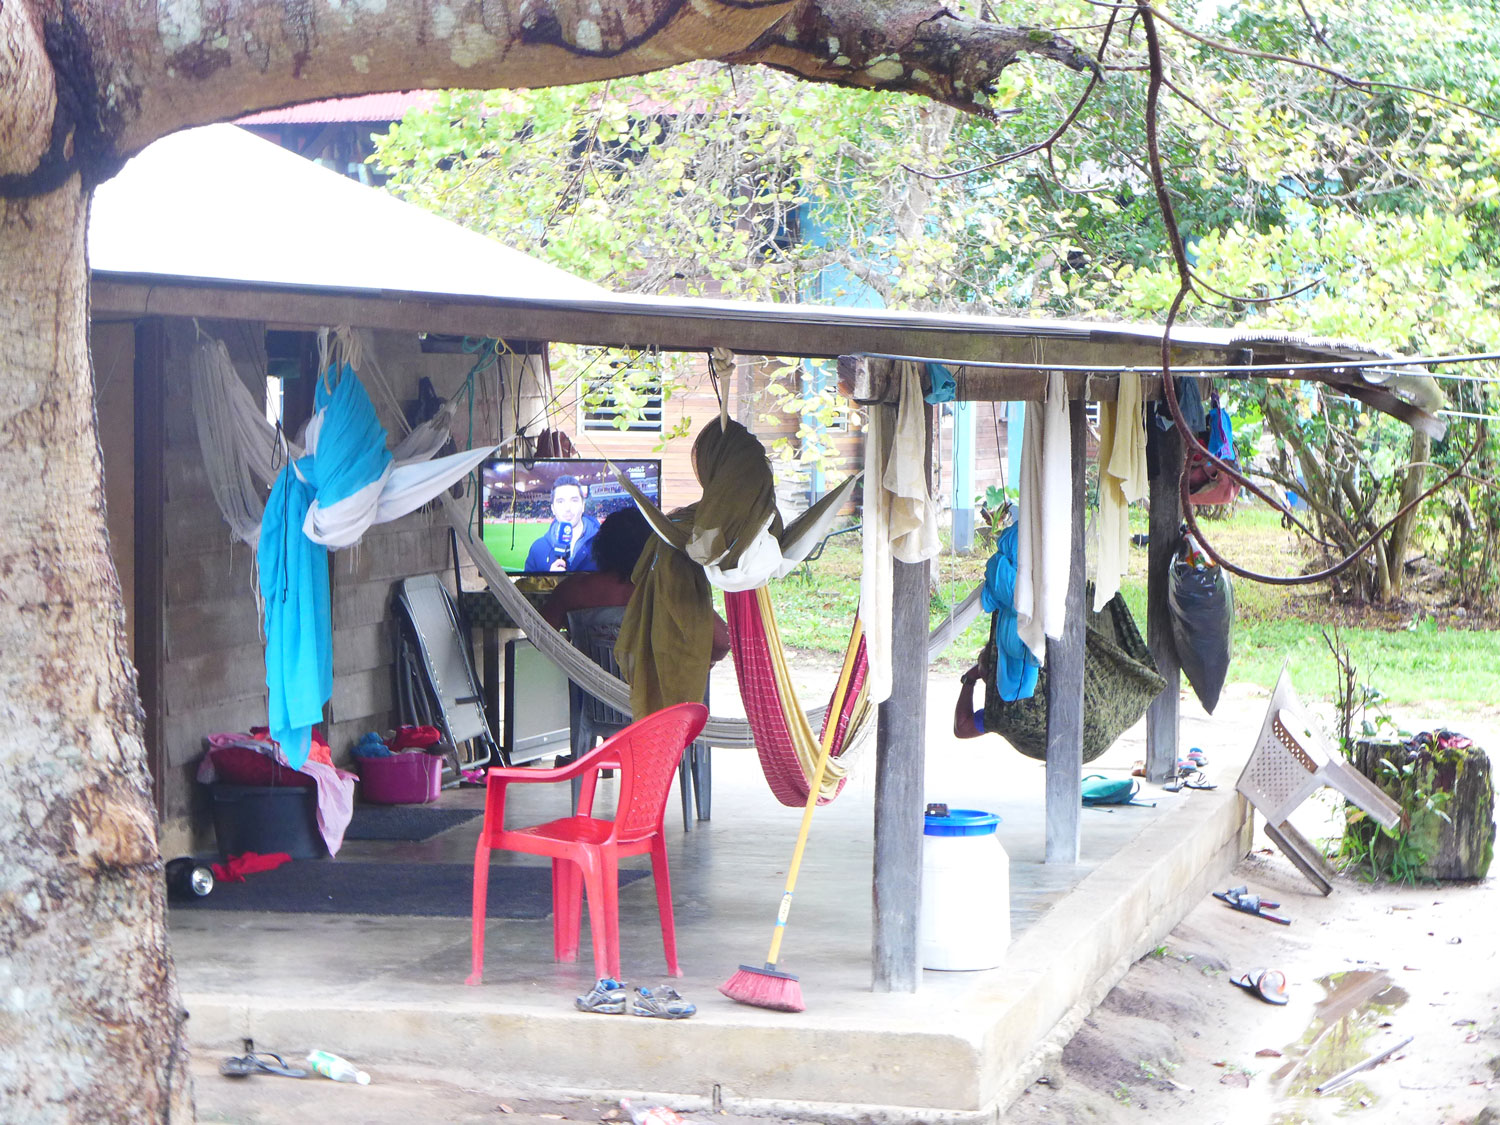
(940, 820)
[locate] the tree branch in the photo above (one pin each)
(911, 46)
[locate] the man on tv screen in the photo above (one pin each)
(565, 544)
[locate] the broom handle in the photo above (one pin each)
(830, 728)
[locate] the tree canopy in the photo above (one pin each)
(1349, 151)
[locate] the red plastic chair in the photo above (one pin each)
(585, 850)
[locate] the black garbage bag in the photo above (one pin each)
(1202, 604)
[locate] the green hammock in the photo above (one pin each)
(1119, 681)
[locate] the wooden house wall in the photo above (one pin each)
(212, 672)
(749, 403)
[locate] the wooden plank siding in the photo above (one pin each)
(749, 403)
(211, 662)
(210, 671)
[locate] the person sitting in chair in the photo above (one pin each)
(616, 548)
(565, 544)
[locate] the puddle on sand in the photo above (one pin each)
(1345, 1030)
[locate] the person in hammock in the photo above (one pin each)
(616, 549)
(968, 721)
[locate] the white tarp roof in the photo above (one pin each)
(221, 204)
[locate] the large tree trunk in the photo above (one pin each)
(1400, 537)
(92, 1027)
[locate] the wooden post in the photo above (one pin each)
(1166, 518)
(900, 764)
(1065, 679)
(149, 591)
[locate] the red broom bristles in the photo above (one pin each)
(765, 988)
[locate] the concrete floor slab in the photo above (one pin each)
(389, 990)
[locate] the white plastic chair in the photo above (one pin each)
(1289, 763)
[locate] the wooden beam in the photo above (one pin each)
(900, 765)
(791, 330)
(1065, 678)
(868, 379)
(1165, 520)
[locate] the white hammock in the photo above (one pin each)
(615, 692)
(242, 452)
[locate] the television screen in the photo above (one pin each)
(539, 517)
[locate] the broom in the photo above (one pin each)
(768, 986)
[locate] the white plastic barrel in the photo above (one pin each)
(965, 916)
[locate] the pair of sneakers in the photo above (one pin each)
(609, 997)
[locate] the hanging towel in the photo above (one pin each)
(900, 519)
(1015, 668)
(1122, 481)
(1044, 545)
(346, 480)
(1220, 433)
(733, 538)
(944, 385)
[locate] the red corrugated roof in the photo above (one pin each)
(366, 107)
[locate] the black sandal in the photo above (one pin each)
(258, 1062)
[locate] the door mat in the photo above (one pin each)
(429, 890)
(404, 822)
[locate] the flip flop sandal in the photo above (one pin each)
(1244, 892)
(606, 997)
(663, 1003)
(1197, 780)
(1268, 984)
(263, 1062)
(1252, 904)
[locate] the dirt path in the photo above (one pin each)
(1367, 967)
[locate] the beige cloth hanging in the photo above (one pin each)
(900, 519)
(1045, 533)
(1122, 481)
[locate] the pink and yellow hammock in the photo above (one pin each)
(784, 739)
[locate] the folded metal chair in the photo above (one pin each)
(593, 632)
(435, 672)
(1289, 763)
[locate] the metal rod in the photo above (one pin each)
(1374, 1060)
(1222, 369)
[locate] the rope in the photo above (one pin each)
(225, 459)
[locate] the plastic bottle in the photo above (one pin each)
(339, 1069)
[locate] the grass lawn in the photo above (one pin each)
(1412, 660)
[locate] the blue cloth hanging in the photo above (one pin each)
(1220, 434)
(348, 454)
(944, 385)
(1016, 673)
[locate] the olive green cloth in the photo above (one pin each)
(733, 537)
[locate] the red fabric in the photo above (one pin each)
(1220, 488)
(318, 753)
(236, 867)
(240, 765)
(420, 737)
(757, 680)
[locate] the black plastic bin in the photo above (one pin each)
(266, 819)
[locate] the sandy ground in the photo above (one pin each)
(1367, 968)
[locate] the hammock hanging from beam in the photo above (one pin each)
(784, 741)
(721, 731)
